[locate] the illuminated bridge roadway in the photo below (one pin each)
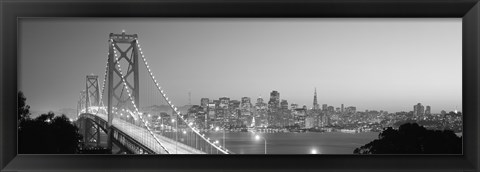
(119, 117)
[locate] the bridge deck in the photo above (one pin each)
(143, 136)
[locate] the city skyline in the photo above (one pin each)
(253, 101)
(391, 64)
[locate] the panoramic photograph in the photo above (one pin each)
(240, 86)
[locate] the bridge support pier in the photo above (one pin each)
(91, 133)
(109, 138)
(98, 136)
(85, 127)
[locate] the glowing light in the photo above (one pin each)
(217, 128)
(313, 151)
(257, 137)
(184, 132)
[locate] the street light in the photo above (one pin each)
(257, 137)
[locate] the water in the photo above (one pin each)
(295, 143)
(289, 143)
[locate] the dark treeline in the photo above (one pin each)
(45, 134)
(410, 138)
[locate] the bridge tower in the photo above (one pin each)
(92, 92)
(128, 55)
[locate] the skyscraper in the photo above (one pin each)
(261, 112)
(427, 110)
(342, 109)
(316, 106)
(246, 104)
(418, 110)
(274, 102)
(284, 105)
(246, 107)
(273, 109)
(259, 101)
(324, 107)
(224, 102)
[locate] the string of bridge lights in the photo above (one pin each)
(190, 125)
(100, 103)
(133, 103)
(104, 79)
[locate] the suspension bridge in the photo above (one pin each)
(119, 116)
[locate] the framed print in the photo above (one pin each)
(248, 86)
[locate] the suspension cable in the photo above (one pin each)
(177, 113)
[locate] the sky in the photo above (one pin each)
(374, 64)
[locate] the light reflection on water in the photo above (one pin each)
(289, 143)
(295, 143)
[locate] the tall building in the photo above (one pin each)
(284, 105)
(204, 102)
(259, 100)
(246, 103)
(324, 107)
(274, 102)
(274, 118)
(261, 113)
(211, 112)
(299, 116)
(342, 110)
(427, 110)
(418, 110)
(246, 113)
(224, 101)
(316, 106)
(234, 112)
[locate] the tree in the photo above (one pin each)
(411, 138)
(23, 110)
(45, 134)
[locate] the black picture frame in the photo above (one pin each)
(468, 10)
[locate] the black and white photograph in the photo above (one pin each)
(316, 86)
